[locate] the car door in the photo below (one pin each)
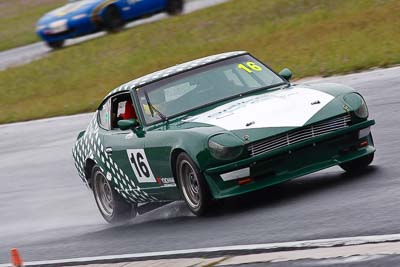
(127, 150)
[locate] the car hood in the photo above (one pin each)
(70, 9)
(272, 112)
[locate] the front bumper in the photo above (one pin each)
(74, 29)
(292, 161)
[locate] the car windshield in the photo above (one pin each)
(200, 87)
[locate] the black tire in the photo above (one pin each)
(111, 205)
(56, 44)
(358, 165)
(175, 7)
(193, 186)
(112, 19)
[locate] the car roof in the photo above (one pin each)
(168, 72)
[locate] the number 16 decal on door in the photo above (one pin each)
(140, 166)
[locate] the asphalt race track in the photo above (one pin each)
(25, 54)
(48, 214)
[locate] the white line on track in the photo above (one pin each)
(283, 246)
(65, 118)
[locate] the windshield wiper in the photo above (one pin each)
(153, 108)
(266, 87)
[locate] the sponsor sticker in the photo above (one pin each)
(166, 182)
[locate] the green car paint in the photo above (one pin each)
(140, 162)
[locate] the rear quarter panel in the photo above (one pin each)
(90, 147)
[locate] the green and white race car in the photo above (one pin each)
(216, 127)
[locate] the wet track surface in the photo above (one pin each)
(48, 214)
(25, 54)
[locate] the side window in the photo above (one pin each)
(121, 109)
(104, 115)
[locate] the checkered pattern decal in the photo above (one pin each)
(173, 70)
(89, 146)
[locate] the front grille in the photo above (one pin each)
(299, 135)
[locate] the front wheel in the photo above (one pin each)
(193, 186)
(174, 7)
(56, 44)
(112, 206)
(357, 164)
(112, 19)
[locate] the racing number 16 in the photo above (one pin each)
(250, 66)
(140, 165)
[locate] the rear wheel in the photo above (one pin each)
(112, 19)
(174, 7)
(193, 186)
(112, 206)
(56, 44)
(358, 164)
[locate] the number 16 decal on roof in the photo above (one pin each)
(140, 165)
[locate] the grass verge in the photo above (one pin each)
(18, 19)
(309, 36)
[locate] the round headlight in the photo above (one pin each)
(225, 146)
(357, 103)
(362, 111)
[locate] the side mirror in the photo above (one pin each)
(286, 73)
(127, 124)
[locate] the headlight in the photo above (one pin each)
(362, 111)
(357, 103)
(40, 27)
(225, 146)
(58, 26)
(80, 16)
(58, 23)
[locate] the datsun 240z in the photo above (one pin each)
(81, 17)
(213, 128)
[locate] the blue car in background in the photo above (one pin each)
(81, 17)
